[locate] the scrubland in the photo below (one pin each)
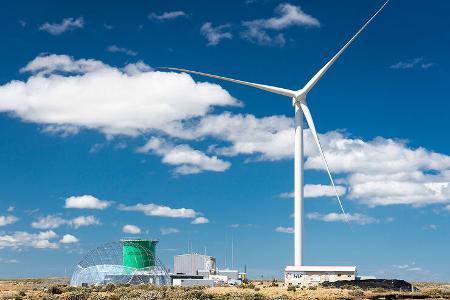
(58, 289)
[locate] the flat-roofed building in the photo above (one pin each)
(313, 275)
(192, 263)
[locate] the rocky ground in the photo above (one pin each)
(55, 288)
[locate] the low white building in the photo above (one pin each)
(192, 282)
(192, 263)
(313, 275)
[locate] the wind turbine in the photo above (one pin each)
(301, 108)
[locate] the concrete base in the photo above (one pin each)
(313, 275)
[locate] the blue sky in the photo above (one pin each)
(94, 139)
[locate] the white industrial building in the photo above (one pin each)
(313, 275)
(192, 263)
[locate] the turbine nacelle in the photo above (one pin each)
(299, 96)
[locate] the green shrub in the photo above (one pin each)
(110, 287)
(356, 293)
(291, 288)
(379, 290)
(54, 290)
(77, 295)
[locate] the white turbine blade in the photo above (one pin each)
(310, 121)
(322, 71)
(268, 88)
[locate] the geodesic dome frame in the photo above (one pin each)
(105, 264)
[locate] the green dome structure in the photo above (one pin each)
(129, 261)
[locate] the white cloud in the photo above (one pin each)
(215, 34)
(188, 160)
(117, 49)
(160, 211)
(318, 190)
(360, 219)
(8, 261)
(431, 227)
(169, 230)
(136, 68)
(84, 221)
(7, 220)
(10, 209)
(21, 239)
(48, 64)
(270, 137)
(200, 220)
(411, 188)
(86, 201)
(129, 104)
(52, 222)
(67, 24)
(375, 172)
(409, 267)
(284, 229)
(132, 229)
(69, 239)
(288, 15)
(411, 64)
(170, 15)
(49, 222)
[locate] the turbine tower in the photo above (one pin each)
(301, 108)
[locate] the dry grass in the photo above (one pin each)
(55, 289)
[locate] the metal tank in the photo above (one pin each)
(138, 254)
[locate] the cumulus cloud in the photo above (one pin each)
(360, 219)
(69, 239)
(419, 63)
(62, 94)
(169, 15)
(117, 49)
(128, 104)
(188, 160)
(84, 221)
(317, 190)
(53, 221)
(169, 230)
(215, 34)
(160, 210)
(200, 220)
(287, 15)
(269, 137)
(86, 201)
(21, 239)
(132, 229)
(7, 220)
(284, 229)
(67, 24)
(411, 188)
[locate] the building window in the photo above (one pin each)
(339, 275)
